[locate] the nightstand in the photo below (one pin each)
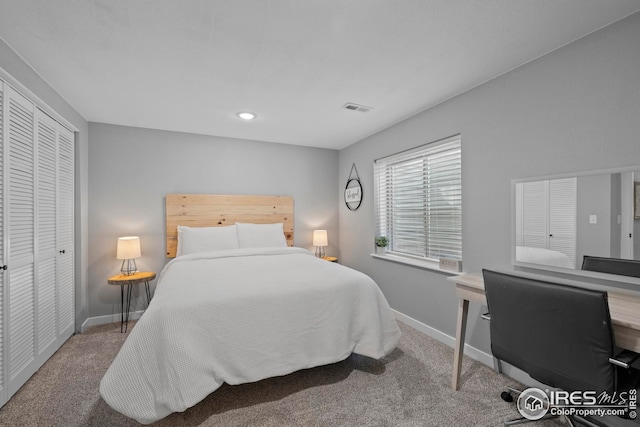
(128, 281)
(330, 258)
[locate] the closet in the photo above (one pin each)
(546, 215)
(36, 237)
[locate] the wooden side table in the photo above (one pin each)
(134, 279)
(330, 258)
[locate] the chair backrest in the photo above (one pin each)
(560, 335)
(624, 267)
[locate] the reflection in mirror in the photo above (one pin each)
(559, 221)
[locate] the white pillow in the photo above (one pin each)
(260, 235)
(203, 239)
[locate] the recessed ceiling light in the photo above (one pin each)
(247, 116)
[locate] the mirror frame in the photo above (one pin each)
(568, 271)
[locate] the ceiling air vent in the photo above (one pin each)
(356, 107)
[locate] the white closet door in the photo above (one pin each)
(627, 222)
(46, 135)
(66, 285)
(562, 216)
(519, 200)
(3, 388)
(20, 210)
(36, 238)
(534, 213)
(549, 215)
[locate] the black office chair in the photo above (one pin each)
(560, 335)
(623, 267)
(606, 421)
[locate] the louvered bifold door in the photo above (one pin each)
(66, 316)
(535, 214)
(46, 254)
(36, 238)
(562, 216)
(3, 388)
(20, 209)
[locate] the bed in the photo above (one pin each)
(543, 256)
(239, 314)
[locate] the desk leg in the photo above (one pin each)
(461, 328)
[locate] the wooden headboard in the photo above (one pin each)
(213, 210)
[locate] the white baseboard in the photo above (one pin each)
(472, 352)
(109, 318)
(469, 351)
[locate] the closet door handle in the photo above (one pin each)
(62, 251)
(4, 267)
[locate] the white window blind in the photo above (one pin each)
(418, 195)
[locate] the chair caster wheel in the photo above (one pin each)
(506, 396)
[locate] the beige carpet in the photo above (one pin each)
(410, 387)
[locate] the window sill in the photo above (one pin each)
(427, 265)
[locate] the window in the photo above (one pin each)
(418, 195)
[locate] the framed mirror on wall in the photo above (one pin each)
(559, 220)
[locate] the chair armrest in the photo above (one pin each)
(624, 359)
(486, 316)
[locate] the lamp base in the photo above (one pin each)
(320, 252)
(129, 267)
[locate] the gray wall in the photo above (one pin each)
(594, 198)
(616, 211)
(13, 64)
(572, 110)
(132, 169)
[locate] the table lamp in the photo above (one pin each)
(128, 250)
(320, 241)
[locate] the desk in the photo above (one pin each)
(624, 310)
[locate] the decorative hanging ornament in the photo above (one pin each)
(353, 190)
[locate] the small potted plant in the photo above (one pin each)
(381, 245)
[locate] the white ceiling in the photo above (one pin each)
(191, 65)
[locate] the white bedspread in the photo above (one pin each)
(241, 316)
(542, 256)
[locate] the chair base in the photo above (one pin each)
(582, 422)
(524, 420)
(507, 396)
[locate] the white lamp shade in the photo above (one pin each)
(320, 238)
(128, 247)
